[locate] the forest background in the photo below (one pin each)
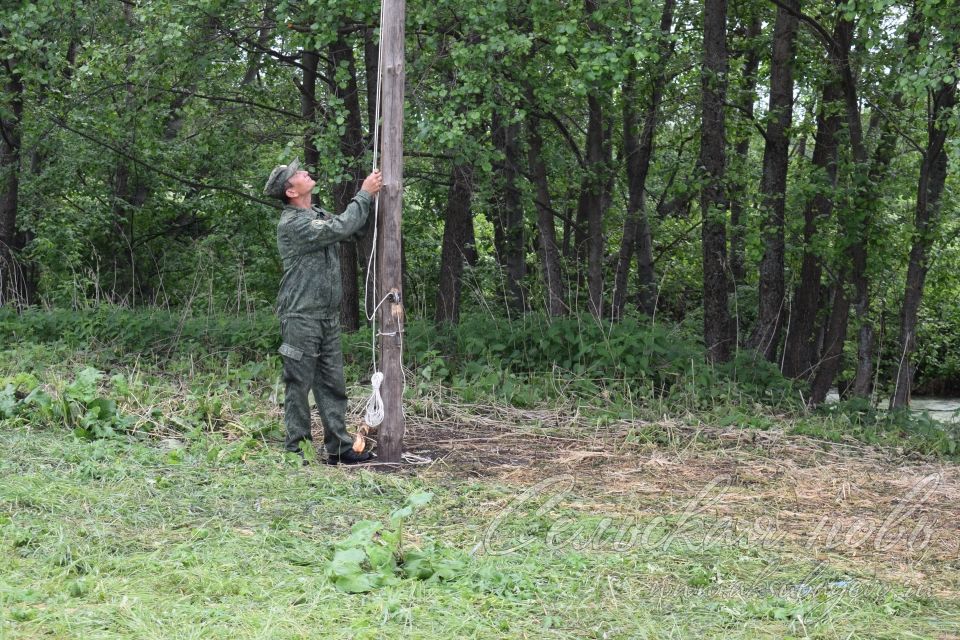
(765, 181)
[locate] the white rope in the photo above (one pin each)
(374, 413)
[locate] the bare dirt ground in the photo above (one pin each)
(854, 505)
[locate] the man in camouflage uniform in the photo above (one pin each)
(309, 307)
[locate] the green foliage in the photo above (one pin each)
(222, 376)
(86, 411)
(79, 405)
(532, 360)
(860, 419)
(938, 338)
(373, 556)
(144, 332)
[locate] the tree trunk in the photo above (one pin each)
(549, 252)
(863, 226)
(861, 302)
(738, 196)
(263, 41)
(457, 239)
(568, 229)
(718, 335)
(351, 152)
(124, 193)
(638, 151)
(765, 337)
(806, 343)
(855, 227)
(130, 188)
(800, 347)
(834, 335)
(509, 236)
(879, 168)
(933, 175)
(590, 207)
(371, 61)
(883, 154)
(592, 203)
(308, 108)
(636, 224)
(11, 282)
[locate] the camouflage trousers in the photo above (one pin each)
(313, 360)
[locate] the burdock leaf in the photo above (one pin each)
(346, 562)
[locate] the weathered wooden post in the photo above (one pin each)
(390, 445)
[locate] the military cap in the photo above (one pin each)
(278, 178)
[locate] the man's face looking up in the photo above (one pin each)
(299, 185)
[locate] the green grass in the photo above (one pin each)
(184, 520)
(117, 538)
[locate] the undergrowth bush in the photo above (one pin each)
(860, 419)
(143, 331)
(608, 371)
(529, 360)
(524, 361)
(79, 405)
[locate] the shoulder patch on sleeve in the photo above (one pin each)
(318, 224)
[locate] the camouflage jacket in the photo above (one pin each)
(307, 240)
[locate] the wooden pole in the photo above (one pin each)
(390, 443)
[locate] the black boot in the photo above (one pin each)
(351, 457)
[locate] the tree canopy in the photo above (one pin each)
(777, 172)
